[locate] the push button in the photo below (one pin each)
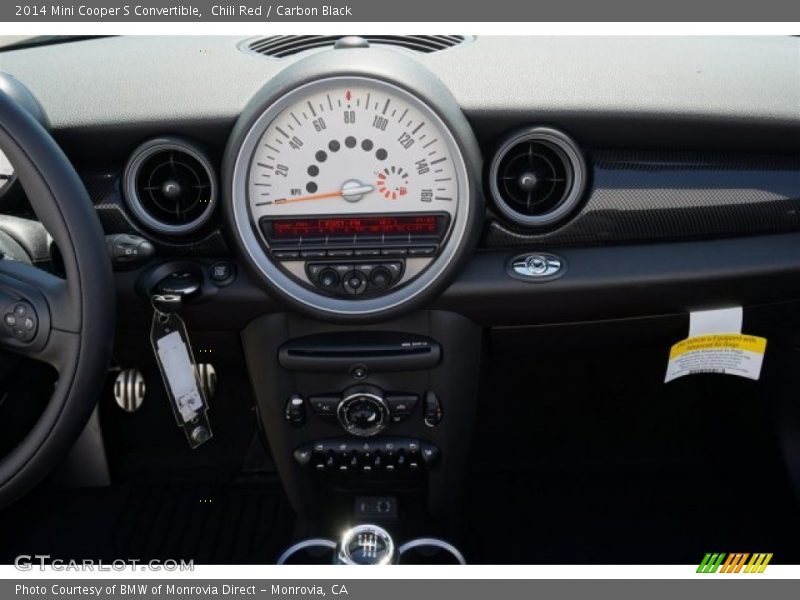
(21, 321)
(324, 405)
(429, 453)
(221, 272)
(367, 252)
(365, 268)
(312, 254)
(354, 283)
(313, 271)
(302, 456)
(328, 279)
(380, 277)
(402, 404)
(339, 253)
(395, 268)
(342, 270)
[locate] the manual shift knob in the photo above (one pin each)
(366, 545)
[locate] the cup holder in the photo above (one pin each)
(317, 551)
(430, 551)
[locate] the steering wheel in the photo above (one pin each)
(68, 323)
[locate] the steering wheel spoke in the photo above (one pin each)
(36, 315)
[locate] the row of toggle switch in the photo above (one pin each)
(353, 457)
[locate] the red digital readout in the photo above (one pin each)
(349, 226)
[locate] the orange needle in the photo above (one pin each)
(307, 198)
(343, 192)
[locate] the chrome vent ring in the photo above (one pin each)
(537, 177)
(170, 186)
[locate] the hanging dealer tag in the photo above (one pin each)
(175, 360)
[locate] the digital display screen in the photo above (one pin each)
(340, 227)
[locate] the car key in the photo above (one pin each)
(173, 352)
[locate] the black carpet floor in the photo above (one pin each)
(208, 523)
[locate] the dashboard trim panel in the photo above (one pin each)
(656, 196)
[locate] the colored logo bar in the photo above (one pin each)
(738, 562)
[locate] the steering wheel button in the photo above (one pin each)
(10, 320)
(20, 310)
(29, 324)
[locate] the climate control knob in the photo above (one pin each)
(363, 412)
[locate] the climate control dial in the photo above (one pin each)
(363, 412)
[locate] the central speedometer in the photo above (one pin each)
(352, 147)
(352, 192)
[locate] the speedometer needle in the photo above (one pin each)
(348, 192)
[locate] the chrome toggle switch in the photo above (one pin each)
(537, 266)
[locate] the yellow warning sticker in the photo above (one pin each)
(725, 353)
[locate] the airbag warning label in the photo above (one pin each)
(725, 353)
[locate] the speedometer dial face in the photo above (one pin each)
(348, 146)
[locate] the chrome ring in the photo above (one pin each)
(436, 543)
(380, 426)
(295, 548)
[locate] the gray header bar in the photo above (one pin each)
(390, 11)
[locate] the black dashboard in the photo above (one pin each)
(673, 165)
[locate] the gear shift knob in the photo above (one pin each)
(366, 545)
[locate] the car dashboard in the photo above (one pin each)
(358, 226)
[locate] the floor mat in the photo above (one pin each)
(207, 523)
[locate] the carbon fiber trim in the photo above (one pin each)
(105, 192)
(641, 197)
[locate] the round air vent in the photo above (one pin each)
(170, 186)
(537, 177)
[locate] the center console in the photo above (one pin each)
(381, 410)
(352, 191)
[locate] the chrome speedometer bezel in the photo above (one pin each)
(404, 78)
